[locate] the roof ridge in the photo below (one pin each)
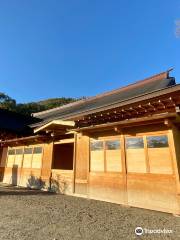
(152, 78)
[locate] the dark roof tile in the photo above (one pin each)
(149, 85)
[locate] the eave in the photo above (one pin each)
(24, 140)
(132, 122)
(144, 97)
(55, 125)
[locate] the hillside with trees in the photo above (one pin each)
(6, 102)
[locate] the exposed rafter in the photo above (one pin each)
(145, 108)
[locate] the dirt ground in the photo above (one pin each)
(30, 214)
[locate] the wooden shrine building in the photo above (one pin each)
(122, 146)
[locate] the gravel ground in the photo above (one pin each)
(30, 215)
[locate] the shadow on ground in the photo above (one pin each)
(11, 190)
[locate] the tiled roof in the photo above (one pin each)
(149, 85)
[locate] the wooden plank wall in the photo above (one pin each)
(81, 164)
(28, 171)
(108, 182)
(151, 178)
(3, 162)
(152, 191)
(47, 161)
(175, 136)
(62, 181)
(147, 177)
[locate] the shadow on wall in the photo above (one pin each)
(1, 174)
(57, 185)
(35, 183)
(1, 165)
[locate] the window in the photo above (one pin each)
(105, 156)
(18, 157)
(134, 143)
(19, 151)
(32, 157)
(135, 155)
(14, 157)
(37, 150)
(157, 141)
(10, 158)
(112, 145)
(28, 151)
(96, 145)
(159, 154)
(37, 157)
(97, 156)
(113, 156)
(11, 152)
(27, 157)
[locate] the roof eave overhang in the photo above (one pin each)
(24, 140)
(158, 93)
(132, 122)
(55, 125)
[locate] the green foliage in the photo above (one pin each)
(55, 102)
(29, 108)
(7, 102)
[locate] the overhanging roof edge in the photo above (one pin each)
(55, 122)
(129, 121)
(146, 96)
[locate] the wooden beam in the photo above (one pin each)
(168, 122)
(149, 107)
(15, 140)
(117, 129)
(131, 121)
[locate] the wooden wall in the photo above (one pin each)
(107, 179)
(175, 137)
(81, 166)
(153, 191)
(47, 161)
(142, 176)
(3, 162)
(146, 177)
(62, 181)
(32, 170)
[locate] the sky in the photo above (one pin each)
(75, 48)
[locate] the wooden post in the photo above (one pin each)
(174, 136)
(47, 161)
(146, 153)
(124, 167)
(74, 162)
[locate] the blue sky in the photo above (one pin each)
(77, 48)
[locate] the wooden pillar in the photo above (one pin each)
(3, 162)
(174, 135)
(124, 166)
(81, 164)
(47, 161)
(74, 162)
